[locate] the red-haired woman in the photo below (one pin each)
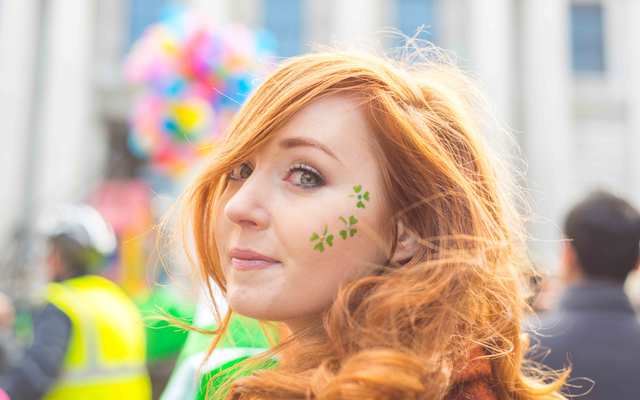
(354, 202)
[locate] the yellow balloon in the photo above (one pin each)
(189, 117)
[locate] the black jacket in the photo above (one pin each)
(33, 376)
(595, 329)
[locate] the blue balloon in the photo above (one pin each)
(170, 126)
(176, 88)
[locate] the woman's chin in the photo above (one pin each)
(251, 308)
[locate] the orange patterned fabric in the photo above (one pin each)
(475, 381)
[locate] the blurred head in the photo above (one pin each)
(79, 242)
(429, 263)
(7, 314)
(604, 238)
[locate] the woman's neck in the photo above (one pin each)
(307, 325)
(308, 337)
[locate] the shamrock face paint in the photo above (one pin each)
(321, 240)
(350, 223)
(349, 229)
(294, 222)
(361, 196)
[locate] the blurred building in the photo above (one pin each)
(563, 75)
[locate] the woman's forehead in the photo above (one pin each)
(335, 124)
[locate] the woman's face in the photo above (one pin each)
(297, 219)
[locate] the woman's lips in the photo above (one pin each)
(245, 265)
(244, 259)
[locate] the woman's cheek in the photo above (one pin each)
(344, 225)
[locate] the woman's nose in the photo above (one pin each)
(246, 207)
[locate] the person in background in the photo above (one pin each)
(7, 318)
(88, 338)
(593, 329)
(163, 301)
(164, 340)
(191, 379)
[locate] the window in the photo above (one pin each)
(413, 14)
(283, 19)
(587, 38)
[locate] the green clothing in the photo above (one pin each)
(244, 339)
(164, 340)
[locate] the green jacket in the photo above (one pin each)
(192, 375)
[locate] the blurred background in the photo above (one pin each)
(562, 75)
(116, 103)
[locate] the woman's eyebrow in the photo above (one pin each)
(306, 142)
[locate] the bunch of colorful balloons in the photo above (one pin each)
(193, 77)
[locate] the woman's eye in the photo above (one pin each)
(240, 172)
(304, 176)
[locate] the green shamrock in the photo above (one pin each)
(349, 230)
(325, 237)
(362, 197)
(321, 240)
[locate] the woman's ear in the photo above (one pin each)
(407, 244)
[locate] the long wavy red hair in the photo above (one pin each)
(403, 330)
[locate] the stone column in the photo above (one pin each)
(218, 11)
(547, 121)
(18, 36)
(490, 46)
(358, 23)
(73, 147)
(632, 55)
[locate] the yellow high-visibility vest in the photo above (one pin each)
(106, 354)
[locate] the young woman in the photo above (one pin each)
(354, 201)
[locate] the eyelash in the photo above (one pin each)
(306, 169)
(298, 167)
(234, 177)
